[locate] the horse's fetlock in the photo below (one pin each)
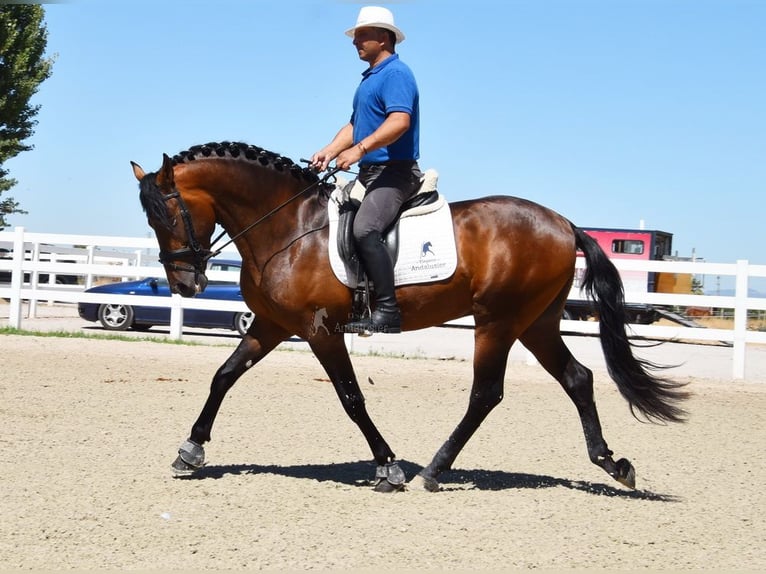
(601, 456)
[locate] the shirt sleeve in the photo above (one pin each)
(400, 93)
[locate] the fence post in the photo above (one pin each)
(91, 259)
(17, 279)
(52, 278)
(33, 280)
(740, 319)
(176, 317)
(139, 261)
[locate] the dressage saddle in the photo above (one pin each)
(426, 200)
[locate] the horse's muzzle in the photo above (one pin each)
(190, 289)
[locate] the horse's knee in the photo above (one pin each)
(236, 365)
(486, 399)
(224, 378)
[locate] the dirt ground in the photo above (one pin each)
(91, 427)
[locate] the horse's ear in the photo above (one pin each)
(137, 171)
(165, 175)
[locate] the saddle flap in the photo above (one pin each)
(347, 209)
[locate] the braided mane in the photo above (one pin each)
(153, 201)
(243, 151)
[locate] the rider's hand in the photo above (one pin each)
(320, 160)
(348, 157)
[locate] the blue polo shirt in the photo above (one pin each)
(388, 87)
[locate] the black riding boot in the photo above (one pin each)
(380, 270)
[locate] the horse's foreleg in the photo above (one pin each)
(333, 355)
(191, 454)
(490, 359)
(577, 382)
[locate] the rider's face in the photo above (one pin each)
(370, 43)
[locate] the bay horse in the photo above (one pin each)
(516, 265)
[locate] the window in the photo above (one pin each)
(631, 246)
(223, 265)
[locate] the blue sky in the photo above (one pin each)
(608, 111)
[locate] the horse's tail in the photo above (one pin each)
(654, 397)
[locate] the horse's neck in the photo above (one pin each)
(265, 222)
(263, 208)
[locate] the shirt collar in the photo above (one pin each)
(379, 67)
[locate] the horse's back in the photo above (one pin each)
(515, 259)
(515, 225)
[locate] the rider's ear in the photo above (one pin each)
(137, 171)
(165, 175)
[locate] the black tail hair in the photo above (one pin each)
(656, 398)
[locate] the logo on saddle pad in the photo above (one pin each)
(429, 263)
(422, 242)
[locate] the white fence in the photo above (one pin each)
(89, 257)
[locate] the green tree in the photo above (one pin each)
(23, 67)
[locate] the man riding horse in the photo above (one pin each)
(383, 136)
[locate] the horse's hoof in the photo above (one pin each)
(191, 457)
(386, 487)
(389, 478)
(183, 468)
(624, 473)
(423, 484)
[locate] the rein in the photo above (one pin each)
(317, 183)
(194, 249)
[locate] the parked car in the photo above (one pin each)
(119, 317)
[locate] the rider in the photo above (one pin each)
(383, 136)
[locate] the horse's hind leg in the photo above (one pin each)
(261, 340)
(491, 346)
(544, 340)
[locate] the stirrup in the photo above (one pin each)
(363, 328)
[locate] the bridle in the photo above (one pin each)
(194, 250)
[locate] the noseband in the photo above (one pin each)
(193, 248)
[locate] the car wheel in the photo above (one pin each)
(242, 321)
(566, 315)
(115, 317)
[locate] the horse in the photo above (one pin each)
(516, 265)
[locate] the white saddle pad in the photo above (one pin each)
(427, 249)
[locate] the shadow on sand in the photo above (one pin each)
(349, 473)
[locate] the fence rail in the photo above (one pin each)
(89, 257)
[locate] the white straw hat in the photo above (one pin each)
(376, 17)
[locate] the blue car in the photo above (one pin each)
(119, 317)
